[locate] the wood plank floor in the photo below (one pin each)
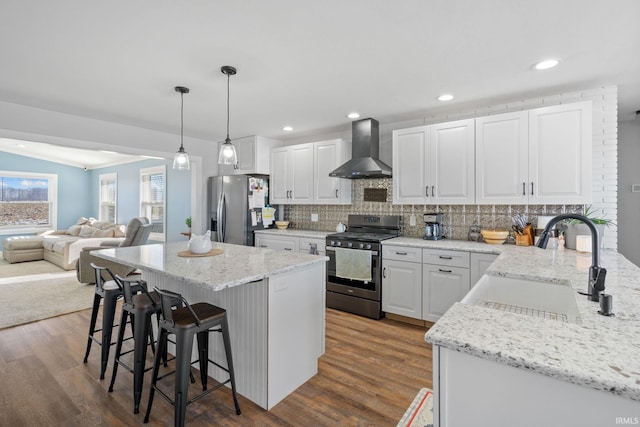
(368, 376)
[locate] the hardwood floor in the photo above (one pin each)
(368, 376)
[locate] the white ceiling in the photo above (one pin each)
(307, 64)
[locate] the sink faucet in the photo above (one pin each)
(597, 274)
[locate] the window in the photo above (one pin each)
(108, 197)
(153, 198)
(28, 201)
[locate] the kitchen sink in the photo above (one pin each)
(552, 301)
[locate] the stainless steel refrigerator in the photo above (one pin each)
(235, 205)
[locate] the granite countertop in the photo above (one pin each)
(598, 352)
(236, 265)
(295, 232)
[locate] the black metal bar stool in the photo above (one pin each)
(109, 291)
(184, 320)
(137, 309)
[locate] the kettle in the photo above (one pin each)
(340, 228)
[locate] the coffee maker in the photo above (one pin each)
(433, 226)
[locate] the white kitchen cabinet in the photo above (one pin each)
(539, 156)
(402, 288)
(253, 156)
(434, 164)
(479, 263)
(560, 154)
(502, 167)
(445, 280)
(327, 156)
(292, 174)
(281, 243)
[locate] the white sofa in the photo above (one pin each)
(63, 247)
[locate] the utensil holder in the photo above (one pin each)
(522, 240)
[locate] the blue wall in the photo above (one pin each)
(128, 178)
(78, 190)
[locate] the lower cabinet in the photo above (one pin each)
(424, 283)
(441, 287)
(304, 245)
(402, 288)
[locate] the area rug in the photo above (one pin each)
(27, 299)
(420, 412)
(27, 268)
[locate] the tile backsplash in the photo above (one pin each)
(457, 218)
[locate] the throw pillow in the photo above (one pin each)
(119, 230)
(74, 230)
(101, 224)
(102, 233)
(86, 231)
(82, 220)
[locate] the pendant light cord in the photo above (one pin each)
(228, 140)
(181, 119)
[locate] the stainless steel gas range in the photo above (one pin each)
(354, 271)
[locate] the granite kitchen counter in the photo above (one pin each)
(597, 352)
(236, 265)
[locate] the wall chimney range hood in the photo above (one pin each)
(365, 145)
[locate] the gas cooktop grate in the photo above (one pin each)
(524, 310)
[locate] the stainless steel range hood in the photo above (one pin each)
(365, 145)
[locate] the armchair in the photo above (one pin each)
(137, 233)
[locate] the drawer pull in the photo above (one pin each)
(401, 253)
(263, 246)
(288, 249)
(384, 273)
(444, 257)
(445, 271)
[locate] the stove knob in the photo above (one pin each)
(361, 245)
(332, 243)
(350, 244)
(368, 246)
(338, 243)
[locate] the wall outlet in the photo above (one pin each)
(314, 217)
(412, 220)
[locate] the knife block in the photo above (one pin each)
(525, 239)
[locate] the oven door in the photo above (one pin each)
(368, 289)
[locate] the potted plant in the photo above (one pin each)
(577, 228)
(188, 223)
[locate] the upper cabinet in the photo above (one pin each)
(292, 174)
(327, 156)
(540, 156)
(253, 156)
(300, 173)
(434, 164)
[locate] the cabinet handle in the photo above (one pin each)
(426, 191)
(524, 188)
(444, 257)
(288, 249)
(532, 188)
(444, 271)
(400, 253)
(336, 193)
(384, 272)
(263, 246)
(432, 188)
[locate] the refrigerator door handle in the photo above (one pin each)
(221, 219)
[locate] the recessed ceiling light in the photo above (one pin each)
(287, 128)
(20, 145)
(353, 115)
(107, 152)
(546, 64)
(445, 97)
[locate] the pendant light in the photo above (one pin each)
(181, 158)
(227, 155)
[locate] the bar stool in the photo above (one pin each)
(110, 292)
(184, 320)
(137, 309)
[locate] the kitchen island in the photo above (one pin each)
(275, 302)
(493, 367)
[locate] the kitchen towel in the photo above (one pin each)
(353, 264)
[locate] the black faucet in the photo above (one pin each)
(597, 274)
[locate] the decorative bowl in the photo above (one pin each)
(494, 237)
(282, 225)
